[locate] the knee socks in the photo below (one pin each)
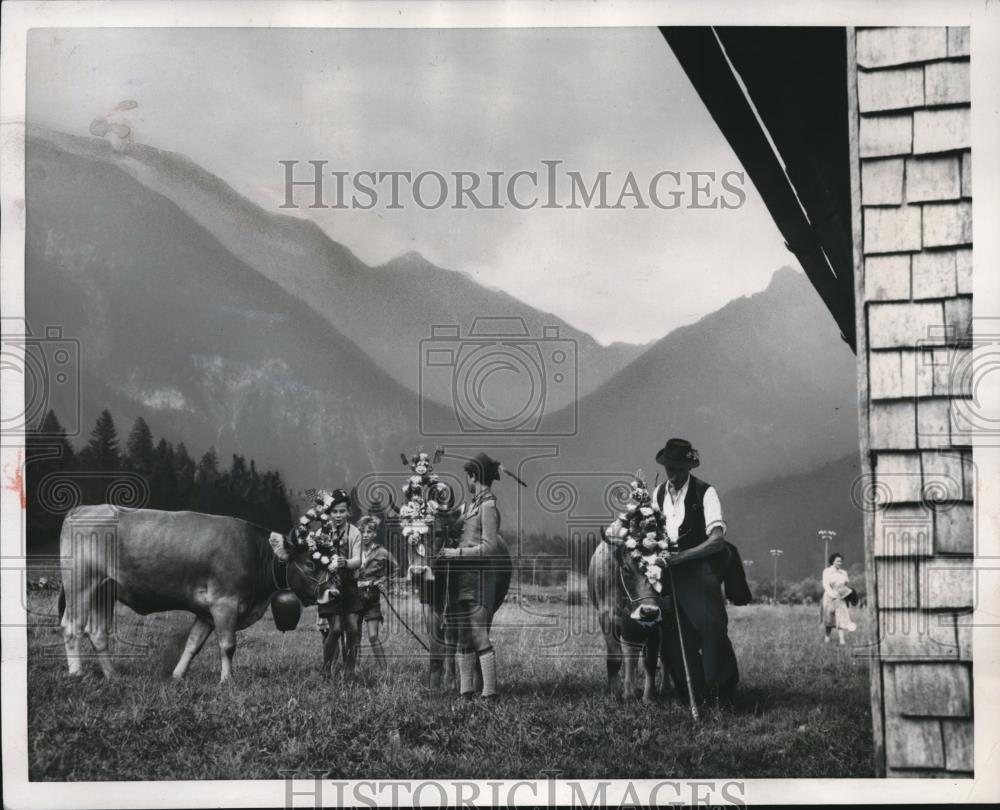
(488, 664)
(467, 673)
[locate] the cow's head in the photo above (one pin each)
(307, 578)
(641, 601)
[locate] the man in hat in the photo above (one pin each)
(694, 524)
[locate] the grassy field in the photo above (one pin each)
(803, 710)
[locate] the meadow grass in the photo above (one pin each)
(803, 709)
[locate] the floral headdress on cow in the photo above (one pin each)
(315, 528)
(424, 495)
(641, 529)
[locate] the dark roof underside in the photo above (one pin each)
(796, 79)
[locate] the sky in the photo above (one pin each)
(237, 101)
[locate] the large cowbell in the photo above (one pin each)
(286, 609)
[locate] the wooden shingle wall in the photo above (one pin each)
(911, 125)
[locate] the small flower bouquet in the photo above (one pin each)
(424, 496)
(641, 529)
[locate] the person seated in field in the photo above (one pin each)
(377, 566)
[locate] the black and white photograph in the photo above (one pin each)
(505, 403)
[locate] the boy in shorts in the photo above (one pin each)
(377, 565)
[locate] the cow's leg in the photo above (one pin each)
(224, 616)
(101, 617)
(614, 650)
(200, 631)
(650, 655)
(630, 652)
(75, 618)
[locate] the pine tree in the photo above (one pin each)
(139, 447)
(101, 452)
(163, 482)
(207, 483)
(184, 469)
(47, 452)
(208, 467)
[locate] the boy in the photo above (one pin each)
(377, 565)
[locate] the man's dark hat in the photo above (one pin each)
(678, 453)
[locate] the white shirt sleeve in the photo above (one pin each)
(713, 511)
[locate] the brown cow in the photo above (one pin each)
(221, 569)
(631, 616)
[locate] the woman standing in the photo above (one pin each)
(478, 577)
(835, 592)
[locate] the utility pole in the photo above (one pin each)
(776, 552)
(826, 535)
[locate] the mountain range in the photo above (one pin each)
(387, 309)
(221, 323)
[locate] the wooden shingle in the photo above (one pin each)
(935, 689)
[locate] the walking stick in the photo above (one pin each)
(680, 637)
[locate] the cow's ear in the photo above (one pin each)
(279, 546)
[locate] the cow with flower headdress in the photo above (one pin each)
(425, 499)
(624, 584)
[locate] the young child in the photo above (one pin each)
(377, 566)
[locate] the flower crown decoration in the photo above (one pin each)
(641, 528)
(424, 495)
(315, 531)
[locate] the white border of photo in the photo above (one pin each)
(19, 17)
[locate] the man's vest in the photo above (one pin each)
(727, 565)
(692, 529)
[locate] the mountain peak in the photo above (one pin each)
(784, 277)
(410, 257)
